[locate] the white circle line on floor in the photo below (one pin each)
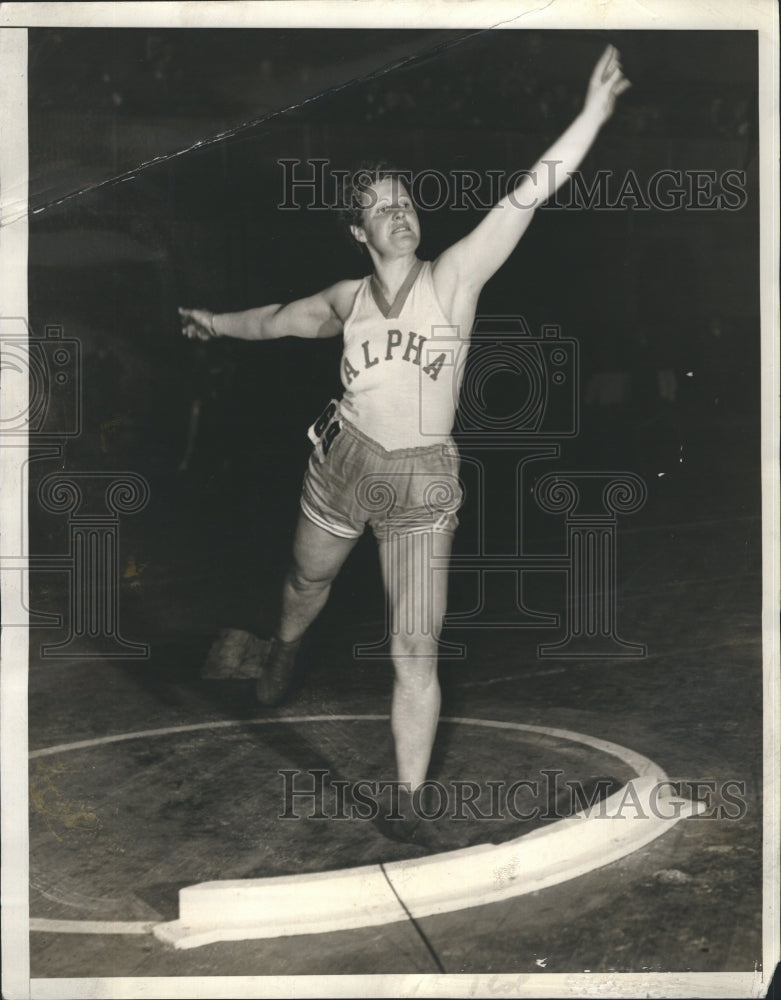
(360, 897)
(45, 925)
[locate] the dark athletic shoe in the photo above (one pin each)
(278, 674)
(235, 655)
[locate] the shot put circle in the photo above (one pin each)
(216, 790)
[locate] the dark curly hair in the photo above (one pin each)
(355, 184)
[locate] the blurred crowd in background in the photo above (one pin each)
(166, 69)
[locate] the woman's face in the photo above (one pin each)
(390, 223)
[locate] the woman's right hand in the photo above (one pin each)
(197, 324)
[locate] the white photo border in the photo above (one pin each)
(761, 16)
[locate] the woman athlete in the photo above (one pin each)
(383, 453)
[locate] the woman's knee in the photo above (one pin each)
(306, 581)
(413, 647)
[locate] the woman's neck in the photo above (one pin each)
(390, 274)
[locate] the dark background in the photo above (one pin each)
(155, 181)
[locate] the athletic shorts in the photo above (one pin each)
(352, 481)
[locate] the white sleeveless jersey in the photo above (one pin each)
(402, 364)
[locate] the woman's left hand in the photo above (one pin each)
(606, 83)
